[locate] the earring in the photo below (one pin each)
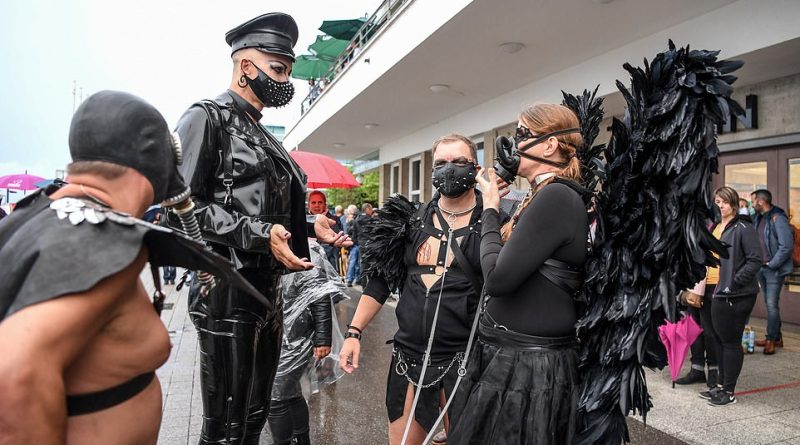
(242, 82)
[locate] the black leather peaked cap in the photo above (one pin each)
(123, 129)
(274, 33)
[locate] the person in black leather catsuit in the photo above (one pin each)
(251, 209)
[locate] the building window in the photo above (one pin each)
(479, 152)
(746, 177)
(415, 179)
(394, 179)
(794, 191)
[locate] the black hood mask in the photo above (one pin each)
(122, 129)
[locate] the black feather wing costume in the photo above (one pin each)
(651, 240)
(589, 109)
(386, 235)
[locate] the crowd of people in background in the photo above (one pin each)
(349, 220)
(760, 243)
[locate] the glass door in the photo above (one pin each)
(778, 170)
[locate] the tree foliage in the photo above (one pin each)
(368, 192)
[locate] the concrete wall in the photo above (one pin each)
(427, 166)
(736, 29)
(778, 109)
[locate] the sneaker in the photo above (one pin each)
(708, 395)
(722, 398)
(694, 376)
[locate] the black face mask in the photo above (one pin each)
(271, 93)
(453, 179)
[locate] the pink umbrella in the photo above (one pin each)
(323, 171)
(20, 182)
(678, 338)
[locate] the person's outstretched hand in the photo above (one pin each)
(279, 246)
(322, 228)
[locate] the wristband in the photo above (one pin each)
(352, 335)
(355, 329)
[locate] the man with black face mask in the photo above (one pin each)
(434, 281)
(250, 199)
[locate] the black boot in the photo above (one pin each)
(713, 377)
(694, 376)
(301, 439)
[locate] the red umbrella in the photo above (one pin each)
(678, 338)
(324, 172)
(20, 182)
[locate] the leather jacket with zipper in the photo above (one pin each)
(242, 180)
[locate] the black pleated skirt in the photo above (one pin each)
(518, 389)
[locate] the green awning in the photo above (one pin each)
(310, 67)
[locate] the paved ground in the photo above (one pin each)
(352, 410)
(768, 401)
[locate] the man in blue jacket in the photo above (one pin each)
(777, 242)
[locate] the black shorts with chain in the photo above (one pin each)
(405, 370)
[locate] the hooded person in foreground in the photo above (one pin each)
(79, 335)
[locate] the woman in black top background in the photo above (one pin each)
(522, 377)
(734, 295)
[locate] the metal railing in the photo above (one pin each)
(385, 13)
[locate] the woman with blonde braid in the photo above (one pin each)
(521, 381)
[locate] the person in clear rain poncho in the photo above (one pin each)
(310, 346)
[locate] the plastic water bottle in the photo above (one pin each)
(746, 339)
(751, 343)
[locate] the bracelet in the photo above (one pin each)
(355, 328)
(352, 335)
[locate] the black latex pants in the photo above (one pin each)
(288, 419)
(239, 348)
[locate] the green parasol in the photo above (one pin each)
(328, 48)
(310, 67)
(342, 29)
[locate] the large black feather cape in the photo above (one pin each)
(652, 239)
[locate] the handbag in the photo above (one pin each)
(694, 297)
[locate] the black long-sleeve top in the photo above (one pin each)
(321, 314)
(554, 226)
(737, 272)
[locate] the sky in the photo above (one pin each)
(169, 52)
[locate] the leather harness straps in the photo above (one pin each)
(224, 147)
(462, 268)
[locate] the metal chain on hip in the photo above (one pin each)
(401, 368)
